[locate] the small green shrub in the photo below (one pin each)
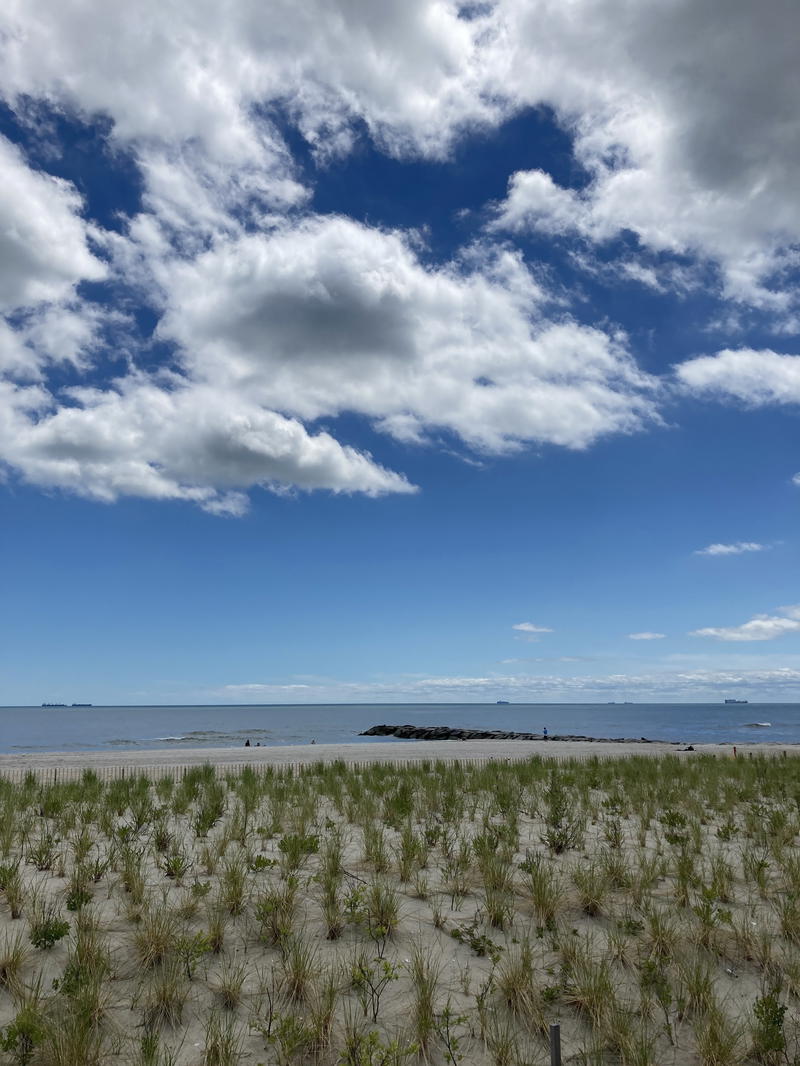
(482, 945)
(22, 1036)
(47, 932)
(769, 1039)
(78, 897)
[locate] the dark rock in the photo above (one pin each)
(445, 732)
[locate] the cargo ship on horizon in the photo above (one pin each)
(51, 705)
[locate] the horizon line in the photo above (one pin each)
(405, 703)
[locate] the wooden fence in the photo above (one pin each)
(114, 771)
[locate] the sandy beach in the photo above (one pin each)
(383, 912)
(395, 751)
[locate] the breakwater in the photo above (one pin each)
(446, 732)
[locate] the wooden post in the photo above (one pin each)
(555, 1044)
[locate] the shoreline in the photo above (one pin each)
(399, 751)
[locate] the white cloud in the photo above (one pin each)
(740, 547)
(44, 249)
(686, 127)
(686, 123)
(191, 86)
(171, 440)
(306, 321)
(411, 69)
(529, 627)
(756, 378)
(16, 359)
(646, 636)
(547, 659)
(753, 378)
(194, 196)
(781, 683)
(761, 627)
(330, 316)
(535, 201)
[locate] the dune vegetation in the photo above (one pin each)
(373, 916)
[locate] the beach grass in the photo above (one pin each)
(443, 912)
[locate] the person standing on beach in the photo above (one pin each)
(544, 733)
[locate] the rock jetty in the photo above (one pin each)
(446, 732)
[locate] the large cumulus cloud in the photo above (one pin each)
(682, 115)
(175, 441)
(333, 316)
(685, 119)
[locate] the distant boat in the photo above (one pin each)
(737, 701)
(502, 703)
(54, 705)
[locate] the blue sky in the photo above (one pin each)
(410, 352)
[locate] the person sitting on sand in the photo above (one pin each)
(247, 743)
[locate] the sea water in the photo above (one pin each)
(40, 729)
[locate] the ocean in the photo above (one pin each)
(39, 729)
